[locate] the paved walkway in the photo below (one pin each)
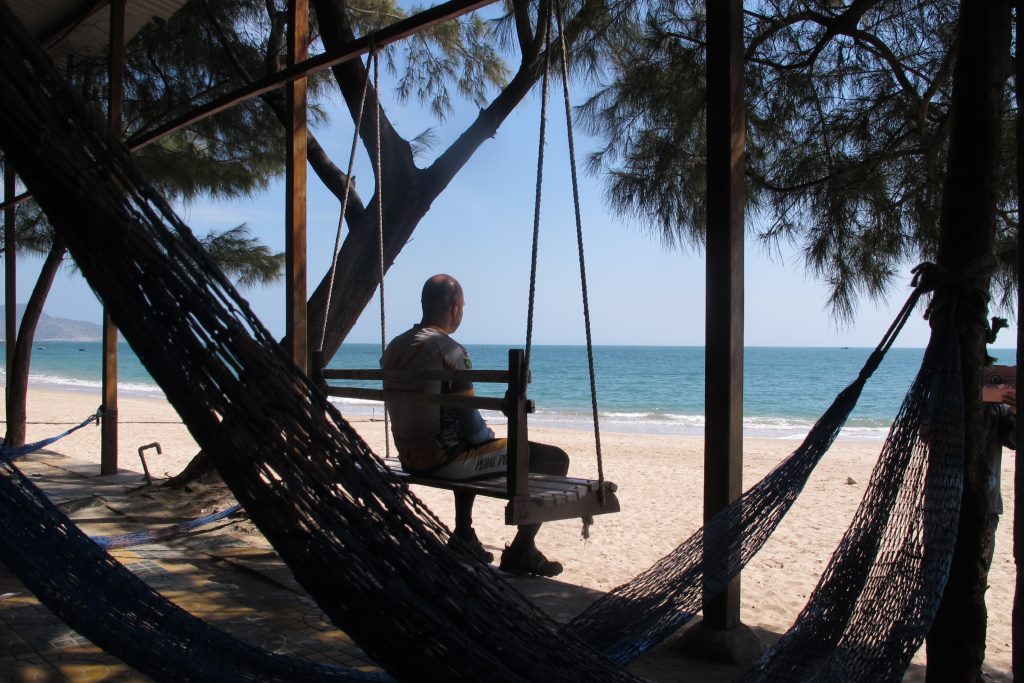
(216, 574)
(228, 575)
(225, 574)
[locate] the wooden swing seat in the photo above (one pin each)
(551, 497)
(532, 498)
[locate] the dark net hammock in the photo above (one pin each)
(369, 553)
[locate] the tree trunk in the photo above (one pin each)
(17, 383)
(956, 644)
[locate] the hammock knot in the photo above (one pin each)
(967, 285)
(926, 276)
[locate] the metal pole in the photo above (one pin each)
(295, 197)
(115, 99)
(723, 440)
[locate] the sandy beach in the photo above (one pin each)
(660, 490)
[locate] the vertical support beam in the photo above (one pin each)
(10, 272)
(1017, 619)
(295, 199)
(115, 101)
(518, 463)
(723, 440)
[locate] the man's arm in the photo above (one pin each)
(472, 426)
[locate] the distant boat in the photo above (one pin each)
(81, 348)
(845, 347)
(40, 348)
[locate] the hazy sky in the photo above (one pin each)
(479, 230)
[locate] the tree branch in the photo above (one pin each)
(326, 170)
(444, 168)
(773, 28)
(396, 152)
(521, 12)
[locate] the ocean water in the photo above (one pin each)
(644, 389)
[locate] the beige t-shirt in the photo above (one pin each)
(425, 434)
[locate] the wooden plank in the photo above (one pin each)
(484, 402)
(723, 440)
(295, 195)
(10, 273)
(115, 102)
(518, 439)
(545, 489)
(486, 376)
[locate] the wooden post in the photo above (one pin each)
(1017, 618)
(10, 280)
(723, 440)
(518, 450)
(115, 99)
(295, 198)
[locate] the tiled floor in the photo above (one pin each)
(241, 588)
(226, 575)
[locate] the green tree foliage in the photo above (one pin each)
(240, 255)
(244, 257)
(848, 110)
(175, 65)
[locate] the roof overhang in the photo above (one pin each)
(79, 28)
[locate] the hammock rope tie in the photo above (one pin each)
(925, 278)
(9, 454)
(132, 538)
(152, 535)
(969, 284)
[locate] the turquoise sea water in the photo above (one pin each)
(645, 389)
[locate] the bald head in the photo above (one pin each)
(442, 302)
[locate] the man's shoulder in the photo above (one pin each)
(455, 354)
(425, 348)
(451, 353)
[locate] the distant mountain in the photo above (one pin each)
(57, 329)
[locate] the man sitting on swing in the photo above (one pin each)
(456, 443)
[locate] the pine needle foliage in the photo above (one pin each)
(847, 107)
(243, 257)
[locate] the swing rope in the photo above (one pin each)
(579, 232)
(349, 182)
(537, 197)
(380, 233)
(579, 242)
(378, 166)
